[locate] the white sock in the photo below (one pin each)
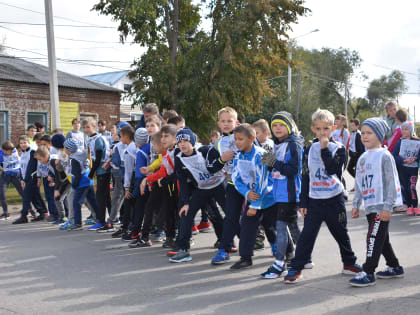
(279, 263)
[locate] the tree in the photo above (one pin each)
(384, 89)
(198, 71)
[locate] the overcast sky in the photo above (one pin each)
(385, 33)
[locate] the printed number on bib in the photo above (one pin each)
(321, 174)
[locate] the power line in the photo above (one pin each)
(56, 25)
(56, 16)
(389, 68)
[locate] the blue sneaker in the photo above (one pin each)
(293, 276)
(362, 280)
(220, 258)
(90, 221)
(274, 249)
(65, 226)
(391, 272)
(96, 226)
(275, 271)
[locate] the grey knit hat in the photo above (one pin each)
(71, 144)
(409, 125)
(141, 137)
(378, 125)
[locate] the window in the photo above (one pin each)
(135, 116)
(33, 117)
(127, 88)
(4, 134)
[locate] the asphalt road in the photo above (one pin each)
(46, 271)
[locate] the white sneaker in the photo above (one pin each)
(309, 265)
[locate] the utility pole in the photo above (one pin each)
(345, 98)
(289, 72)
(298, 94)
(52, 68)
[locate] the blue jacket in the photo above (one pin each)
(252, 175)
(287, 186)
(142, 160)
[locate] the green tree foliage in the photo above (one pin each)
(198, 71)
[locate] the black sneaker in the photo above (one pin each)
(241, 264)
(107, 228)
(41, 217)
(139, 242)
(75, 227)
(33, 214)
(169, 243)
(51, 218)
(118, 233)
(126, 236)
(217, 244)
(20, 220)
(5, 216)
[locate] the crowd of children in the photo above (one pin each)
(250, 181)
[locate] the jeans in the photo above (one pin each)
(49, 195)
(61, 200)
(79, 196)
(117, 195)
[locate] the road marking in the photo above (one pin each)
(24, 261)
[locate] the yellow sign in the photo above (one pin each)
(68, 111)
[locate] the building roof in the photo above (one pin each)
(108, 78)
(19, 70)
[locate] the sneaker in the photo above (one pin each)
(96, 226)
(41, 217)
(233, 249)
(127, 237)
(204, 227)
(410, 211)
(75, 227)
(362, 280)
(159, 236)
(274, 249)
(274, 271)
(173, 252)
(194, 230)
(58, 221)
(259, 245)
(33, 214)
(416, 211)
(65, 226)
(181, 256)
(391, 272)
(217, 244)
(107, 228)
(241, 264)
(220, 258)
(169, 243)
(51, 218)
(139, 242)
(309, 265)
(118, 233)
(293, 276)
(20, 220)
(352, 270)
(90, 221)
(5, 216)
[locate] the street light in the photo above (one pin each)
(289, 68)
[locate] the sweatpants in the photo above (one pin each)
(32, 194)
(408, 181)
(49, 195)
(170, 206)
(138, 214)
(332, 211)
(117, 198)
(249, 228)
(79, 197)
(153, 206)
(351, 167)
(60, 202)
(103, 196)
(377, 243)
(5, 181)
(233, 209)
(199, 199)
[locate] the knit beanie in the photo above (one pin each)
(57, 141)
(141, 137)
(284, 118)
(378, 125)
(71, 144)
(409, 125)
(186, 134)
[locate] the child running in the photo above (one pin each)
(378, 187)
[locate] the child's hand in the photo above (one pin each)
(127, 195)
(324, 142)
(268, 159)
(23, 184)
(253, 196)
(145, 170)
(143, 186)
(56, 194)
(184, 210)
(159, 182)
(107, 164)
(50, 179)
(38, 182)
(303, 211)
(227, 156)
(354, 213)
(51, 184)
(251, 212)
(385, 216)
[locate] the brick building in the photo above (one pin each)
(25, 98)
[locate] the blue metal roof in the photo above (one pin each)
(109, 78)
